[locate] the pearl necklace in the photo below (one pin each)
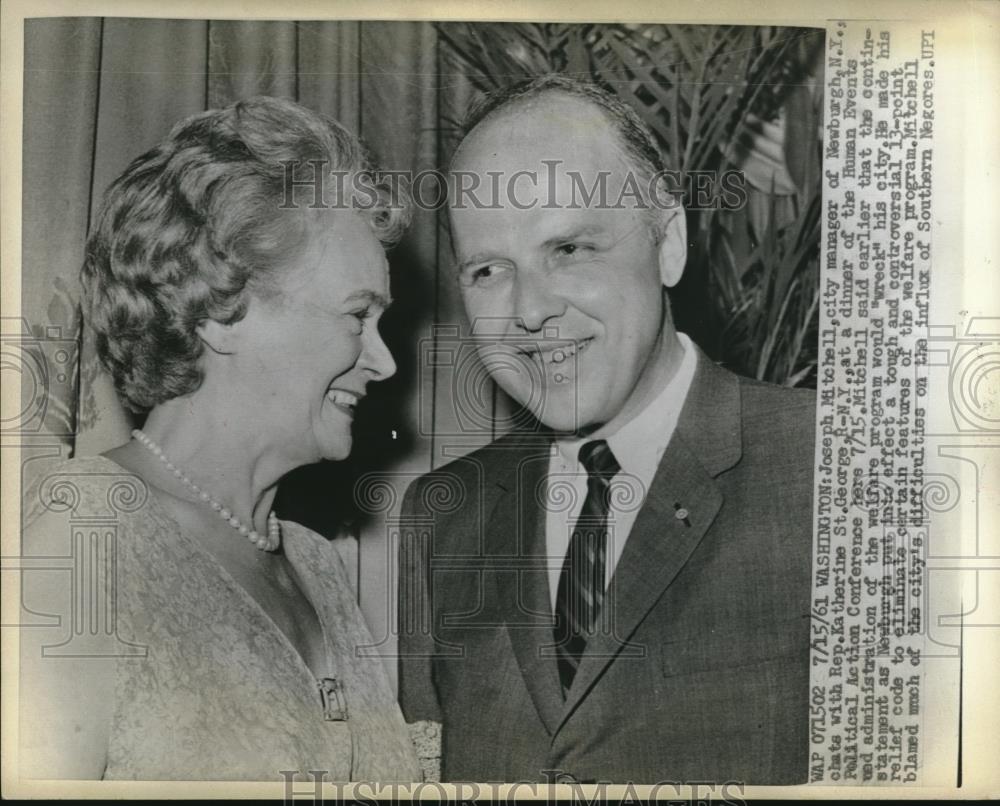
(268, 543)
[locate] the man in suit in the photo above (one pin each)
(621, 593)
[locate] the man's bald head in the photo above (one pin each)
(582, 103)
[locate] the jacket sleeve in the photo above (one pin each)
(417, 693)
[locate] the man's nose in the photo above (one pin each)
(534, 301)
(376, 357)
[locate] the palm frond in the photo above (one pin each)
(715, 97)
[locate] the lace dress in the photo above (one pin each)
(206, 686)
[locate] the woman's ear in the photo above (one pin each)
(673, 246)
(219, 338)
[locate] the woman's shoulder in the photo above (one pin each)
(90, 487)
(67, 736)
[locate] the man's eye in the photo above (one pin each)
(484, 275)
(571, 249)
(363, 314)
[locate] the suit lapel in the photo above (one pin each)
(516, 538)
(681, 505)
(654, 555)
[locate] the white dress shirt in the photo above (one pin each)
(638, 446)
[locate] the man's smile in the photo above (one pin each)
(553, 356)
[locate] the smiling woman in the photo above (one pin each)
(301, 361)
(246, 329)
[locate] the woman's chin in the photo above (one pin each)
(336, 451)
(332, 434)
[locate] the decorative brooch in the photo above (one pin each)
(331, 692)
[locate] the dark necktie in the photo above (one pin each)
(581, 582)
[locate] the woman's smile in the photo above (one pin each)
(344, 400)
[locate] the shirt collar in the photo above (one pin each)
(640, 443)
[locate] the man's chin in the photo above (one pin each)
(560, 412)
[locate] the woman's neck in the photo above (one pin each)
(220, 454)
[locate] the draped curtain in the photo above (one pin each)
(98, 92)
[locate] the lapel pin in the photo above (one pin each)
(682, 514)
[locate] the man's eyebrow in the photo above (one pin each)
(370, 298)
(585, 231)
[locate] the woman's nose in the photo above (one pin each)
(377, 359)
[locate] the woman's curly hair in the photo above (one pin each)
(195, 225)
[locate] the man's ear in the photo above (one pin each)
(219, 338)
(673, 246)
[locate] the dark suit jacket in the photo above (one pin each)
(705, 673)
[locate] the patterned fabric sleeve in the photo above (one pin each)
(426, 738)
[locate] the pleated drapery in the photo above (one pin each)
(99, 91)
